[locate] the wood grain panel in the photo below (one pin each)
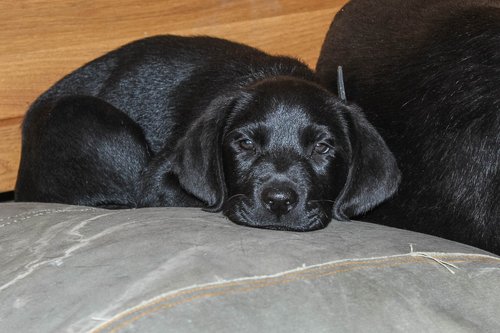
(10, 149)
(42, 40)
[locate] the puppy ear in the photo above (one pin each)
(373, 175)
(197, 160)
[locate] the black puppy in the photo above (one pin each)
(427, 74)
(179, 121)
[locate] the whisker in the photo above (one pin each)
(325, 200)
(236, 195)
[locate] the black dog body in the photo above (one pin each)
(427, 75)
(198, 121)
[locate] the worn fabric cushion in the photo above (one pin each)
(79, 269)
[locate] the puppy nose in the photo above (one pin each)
(279, 200)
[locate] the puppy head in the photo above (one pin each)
(286, 154)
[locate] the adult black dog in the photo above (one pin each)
(427, 74)
(198, 121)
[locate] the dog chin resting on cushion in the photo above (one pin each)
(427, 75)
(199, 121)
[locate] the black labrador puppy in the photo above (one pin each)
(427, 74)
(199, 121)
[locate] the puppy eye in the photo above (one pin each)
(321, 148)
(247, 144)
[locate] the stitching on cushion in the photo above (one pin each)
(242, 285)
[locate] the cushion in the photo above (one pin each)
(81, 269)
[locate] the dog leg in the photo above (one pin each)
(85, 151)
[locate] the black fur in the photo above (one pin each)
(179, 121)
(427, 74)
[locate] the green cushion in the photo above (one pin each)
(78, 269)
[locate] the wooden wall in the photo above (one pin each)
(42, 40)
